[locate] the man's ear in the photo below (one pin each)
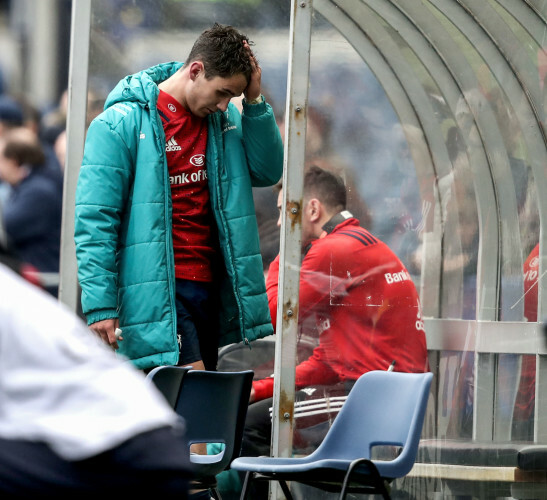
(314, 209)
(196, 67)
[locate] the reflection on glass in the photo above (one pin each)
(523, 413)
(460, 250)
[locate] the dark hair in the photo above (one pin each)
(326, 186)
(24, 150)
(222, 52)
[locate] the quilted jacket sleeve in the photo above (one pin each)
(103, 187)
(263, 144)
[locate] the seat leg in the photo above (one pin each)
(385, 492)
(285, 489)
(246, 485)
(378, 480)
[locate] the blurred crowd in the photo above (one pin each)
(32, 161)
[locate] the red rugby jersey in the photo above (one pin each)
(186, 143)
(365, 306)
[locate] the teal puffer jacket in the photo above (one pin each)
(123, 233)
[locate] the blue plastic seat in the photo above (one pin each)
(383, 409)
(168, 380)
(214, 406)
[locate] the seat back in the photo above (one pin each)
(168, 380)
(214, 406)
(383, 408)
(261, 357)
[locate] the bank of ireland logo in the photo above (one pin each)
(198, 160)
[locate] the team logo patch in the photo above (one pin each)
(172, 108)
(198, 160)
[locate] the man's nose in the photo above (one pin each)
(223, 105)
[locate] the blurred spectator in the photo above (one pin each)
(11, 114)
(49, 127)
(76, 421)
(53, 122)
(2, 81)
(95, 105)
(33, 210)
(33, 121)
(59, 147)
(16, 112)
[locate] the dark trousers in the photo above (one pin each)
(197, 323)
(153, 462)
(256, 442)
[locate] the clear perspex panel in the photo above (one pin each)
(433, 114)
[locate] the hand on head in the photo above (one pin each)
(253, 88)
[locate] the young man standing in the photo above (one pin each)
(165, 230)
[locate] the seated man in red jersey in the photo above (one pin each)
(364, 307)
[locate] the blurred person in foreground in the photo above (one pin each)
(363, 305)
(165, 228)
(32, 212)
(75, 421)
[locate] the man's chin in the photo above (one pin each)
(206, 112)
